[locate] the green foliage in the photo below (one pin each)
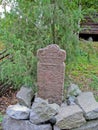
(20, 67)
(32, 25)
(84, 72)
(1, 117)
(89, 4)
(94, 83)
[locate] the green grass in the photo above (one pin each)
(1, 46)
(84, 70)
(1, 117)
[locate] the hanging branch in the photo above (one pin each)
(53, 22)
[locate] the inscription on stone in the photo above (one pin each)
(50, 73)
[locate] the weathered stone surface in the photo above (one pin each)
(55, 106)
(71, 100)
(25, 96)
(91, 125)
(56, 128)
(70, 117)
(50, 73)
(12, 124)
(18, 112)
(42, 112)
(73, 90)
(64, 104)
(88, 104)
(40, 100)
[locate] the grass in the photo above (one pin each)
(84, 70)
(1, 46)
(1, 118)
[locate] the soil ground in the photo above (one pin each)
(9, 98)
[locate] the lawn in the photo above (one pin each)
(1, 46)
(84, 70)
(1, 117)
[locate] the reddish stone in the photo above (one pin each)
(51, 69)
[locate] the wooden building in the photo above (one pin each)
(89, 28)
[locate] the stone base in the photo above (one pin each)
(63, 118)
(90, 125)
(13, 124)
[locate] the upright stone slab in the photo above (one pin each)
(51, 69)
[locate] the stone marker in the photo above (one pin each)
(51, 69)
(88, 104)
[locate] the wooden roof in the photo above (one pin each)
(90, 26)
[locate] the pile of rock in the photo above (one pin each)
(78, 112)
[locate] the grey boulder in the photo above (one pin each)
(71, 100)
(70, 117)
(64, 104)
(73, 90)
(56, 128)
(90, 125)
(13, 124)
(42, 111)
(25, 96)
(18, 112)
(88, 104)
(40, 100)
(54, 106)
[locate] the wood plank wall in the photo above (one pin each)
(90, 25)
